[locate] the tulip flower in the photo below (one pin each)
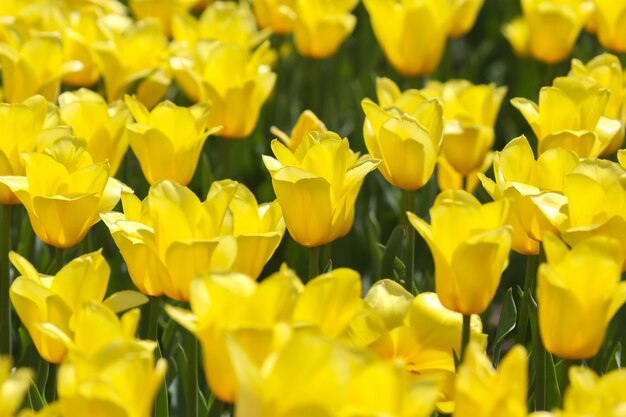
(570, 115)
(450, 179)
(464, 16)
(24, 75)
(548, 29)
(256, 315)
(470, 245)
(172, 237)
(81, 32)
(483, 391)
(101, 126)
(307, 122)
(64, 192)
(421, 334)
(611, 24)
(131, 57)
(23, 127)
(470, 113)
(321, 26)
(110, 358)
(223, 21)
(162, 11)
(317, 186)
(168, 140)
(596, 196)
(53, 300)
(606, 70)
(13, 387)
(278, 15)
(405, 132)
(573, 315)
(535, 188)
(412, 34)
(235, 81)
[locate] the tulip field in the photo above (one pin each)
(312, 208)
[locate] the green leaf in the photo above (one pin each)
(553, 392)
(506, 323)
(161, 406)
(615, 358)
(393, 251)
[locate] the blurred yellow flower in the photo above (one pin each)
(278, 15)
(470, 245)
(404, 130)
(235, 81)
(172, 237)
(482, 391)
(591, 395)
(412, 34)
(606, 70)
(611, 23)
(64, 192)
(24, 127)
(23, 73)
(464, 16)
(449, 179)
(82, 30)
(101, 126)
(47, 304)
(321, 26)
(535, 189)
(548, 29)
(570, 115)
(470, 112)
(161, 10)
(574, 315)
(168, 140)
(254, 315)
(307, 122)
(317, 186)
(108, 372)
(13, 387)
(134, 56)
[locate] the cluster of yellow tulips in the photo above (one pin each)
(233, 323)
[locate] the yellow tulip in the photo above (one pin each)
(23, 127)
(611, 20)
(412, 34)
(168, 140)
(548, 29)
(606, 70)
(112, 374)
(43, 301)
(81, 31)
(573, 315)
(405, 132)
(321, 26)
(254, 315)
(235, 81)
(134, 56)
(470, 113)
(317, 186)
(278, 15)
(470, 245)
(570, 115)
(23, 73)
(594, 396)
(596, 196)
(13, 387)
(64, 192)
(465, 13)
(421, 333)
(481, 391)
(101, 126)
(307, 122)
(534, 188)
(161, 10)
(449, 179)
(223, 21)
(172, 237)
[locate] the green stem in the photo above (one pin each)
(191, 348)
(153, 319)
(5, 305)
(314, 262)
(326, 257)
(57, 264)
(522, 324)
(465, 334)
(409, 203)
(540, 377)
